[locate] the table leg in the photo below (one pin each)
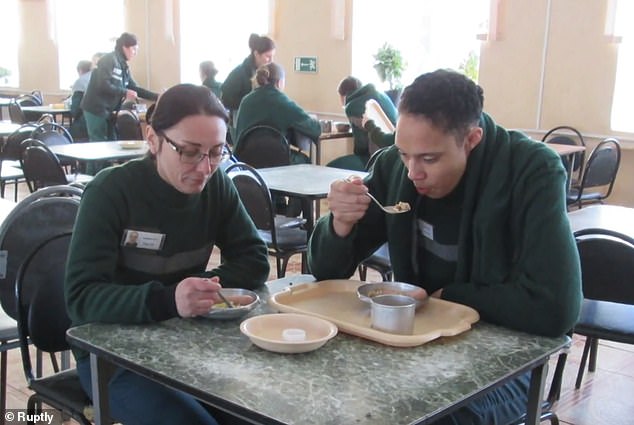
(101, 371)
(536, 394)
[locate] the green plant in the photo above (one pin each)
(470, 66)
(4, 72)
(389, 64)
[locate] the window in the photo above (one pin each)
(429, 34)
(218, 31)
(624, 85)
(83, 28)
(9, 71)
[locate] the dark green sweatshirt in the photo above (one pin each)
(517, 262)
(111, 283)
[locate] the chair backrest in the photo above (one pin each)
(52, 134)
(41, 167)
(12, 148)
(38, 217)
(39, 288)
(263, 146)
(16, 114)
(29, 100)
(128, 126)
(602, 167)
(566, 135)
(607, 265)
(254, 194)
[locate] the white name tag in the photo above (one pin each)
(144, 240)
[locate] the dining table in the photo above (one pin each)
(100, 151)
(309, 182)
(59, 112)
(611, 218)
(568, 152)
(349, 380)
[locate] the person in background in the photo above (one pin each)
(487, 227)
(268, 105)
(353, 95)
(177, 206)
(78, 127)
(110, 84)
(238, 83)
(208, 73)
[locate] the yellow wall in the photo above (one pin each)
(548, 64)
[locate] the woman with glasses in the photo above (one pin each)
(178, 206)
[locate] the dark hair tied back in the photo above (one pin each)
(260, 43)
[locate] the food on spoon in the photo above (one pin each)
(402, 206)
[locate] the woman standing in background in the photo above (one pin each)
(238, 82)
(110, 84)
(208, 73)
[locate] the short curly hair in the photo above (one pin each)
(450, 100)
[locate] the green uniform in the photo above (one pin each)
(355, 107)
(267, 105)
(516, 259)
(238, 84)
(109, 282)
(213, 85)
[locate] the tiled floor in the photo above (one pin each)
(605, 397)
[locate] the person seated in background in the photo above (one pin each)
(354, 95)
(487, 228)
(175, 206)
(208, 73)
(238, 83)
(78, 127)
(268, 105)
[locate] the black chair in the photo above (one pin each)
(42, 320)
(263, 146)
(380, 259)
(10, 168)
(128, 126)
(42, 168)
(599, 173)
(9, 339)
(29, 99)
(283, 240)
(41, 215)
(53, 134)
(566, 135)
(607, 267)
(16, 114)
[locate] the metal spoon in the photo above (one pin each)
(225, 300)
(391, 209)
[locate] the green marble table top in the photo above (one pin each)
(348, 381)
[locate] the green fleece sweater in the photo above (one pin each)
(517, 263)
(111, 283)
(355, 107)
(238, 83)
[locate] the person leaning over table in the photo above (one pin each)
(487, 229)
(110, 84)
(238, 83)
(354, 95)
(268, 105)
(180, 205)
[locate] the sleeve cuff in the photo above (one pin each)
(162, 303)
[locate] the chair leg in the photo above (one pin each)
(3, 385)
(555, 387)
(280, 269)
(594, 352)
(584, 359)
(362, 272)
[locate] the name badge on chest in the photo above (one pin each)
(145, 240)
(426, 229)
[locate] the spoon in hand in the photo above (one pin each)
(399, 208)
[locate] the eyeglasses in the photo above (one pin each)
(193, 156)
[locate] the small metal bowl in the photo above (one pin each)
(236, 312)
(369, 290)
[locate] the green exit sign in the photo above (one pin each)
(306, 64)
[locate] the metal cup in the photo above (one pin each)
(393, 313)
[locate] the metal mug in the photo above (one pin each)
(393, 313)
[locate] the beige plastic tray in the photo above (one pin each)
(337, 301)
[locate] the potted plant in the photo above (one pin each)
(389, 64)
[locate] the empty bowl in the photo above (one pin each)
(367, 291)
(247, 300)
(288, 332)
(342, 127)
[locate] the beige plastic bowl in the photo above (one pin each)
(268, 331)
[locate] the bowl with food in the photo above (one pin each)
(242, 302)
(342, 127)
(367, 291)
(131, 144)
(288, 332)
